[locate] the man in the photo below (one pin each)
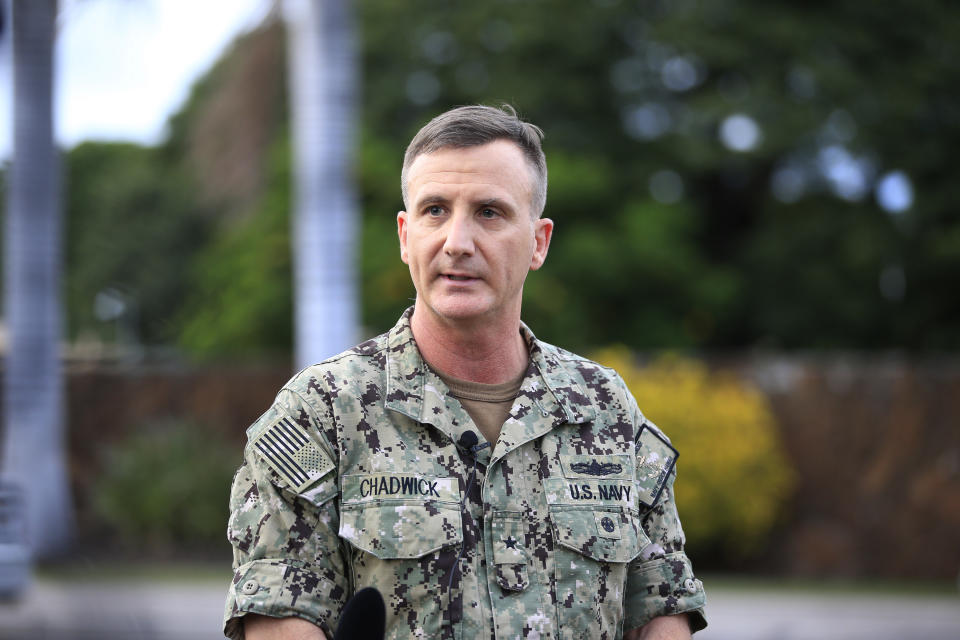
(372, 468)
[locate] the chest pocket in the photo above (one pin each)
(593, 547)
(404, 532)
(400, 515)
(400, 530)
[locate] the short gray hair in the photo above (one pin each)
(476, 125)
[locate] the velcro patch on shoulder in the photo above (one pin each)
(290, 451)
(655, 460)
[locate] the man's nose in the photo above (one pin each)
(460, 235)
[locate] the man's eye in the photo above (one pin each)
(489, 213)
(434, 211)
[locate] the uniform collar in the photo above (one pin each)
(549, 388)
(566, 395)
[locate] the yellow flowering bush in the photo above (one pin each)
(733, 476)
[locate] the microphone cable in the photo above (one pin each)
(469, 442)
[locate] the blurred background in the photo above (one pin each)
(756, 224)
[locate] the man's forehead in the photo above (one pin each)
(498, 163)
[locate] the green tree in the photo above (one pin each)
(134, 225)
(722, 174)
(763, 128)
(241, 300)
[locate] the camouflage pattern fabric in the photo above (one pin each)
(354, 478)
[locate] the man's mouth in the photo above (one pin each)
(457, 278)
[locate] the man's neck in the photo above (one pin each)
(486, 352)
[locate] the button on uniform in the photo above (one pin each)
(690, 585)
(250, 587)
(651, 551)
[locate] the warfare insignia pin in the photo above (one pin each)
(287, 448)
(612, 466)
(655, 460)
(595, 468)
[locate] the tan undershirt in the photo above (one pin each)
(488, 404)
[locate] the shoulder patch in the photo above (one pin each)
(290, 451)
(655, 460)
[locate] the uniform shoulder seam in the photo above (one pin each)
(570, 356)
(368, 349)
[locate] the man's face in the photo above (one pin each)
(470, 237)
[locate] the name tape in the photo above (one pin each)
(579, 491)
(380, 486)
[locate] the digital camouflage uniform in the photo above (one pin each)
(354, 477)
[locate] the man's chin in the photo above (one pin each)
(461, 310)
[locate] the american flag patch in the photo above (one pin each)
(292, 454)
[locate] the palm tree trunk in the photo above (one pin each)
(323, 83)
(33, 453)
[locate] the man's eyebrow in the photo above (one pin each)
(430, 199)
(494, 202)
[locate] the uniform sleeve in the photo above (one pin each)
(287, 556)
(660, 580)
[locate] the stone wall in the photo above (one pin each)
(875, 442)
(108, 403)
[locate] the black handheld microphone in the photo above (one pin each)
(364, 617)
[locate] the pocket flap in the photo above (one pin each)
(509, 554)
(401, 530)
(604, 534)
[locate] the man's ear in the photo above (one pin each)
(542, 232)
(402, 234)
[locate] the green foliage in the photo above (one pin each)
(132, 227)
(242, 295)
(385, 281)
(732, 475)
(166, 485)
(724, 257)
(739, 266)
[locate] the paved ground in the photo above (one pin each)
(162, 610)
(746, 615)
(137, 610)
